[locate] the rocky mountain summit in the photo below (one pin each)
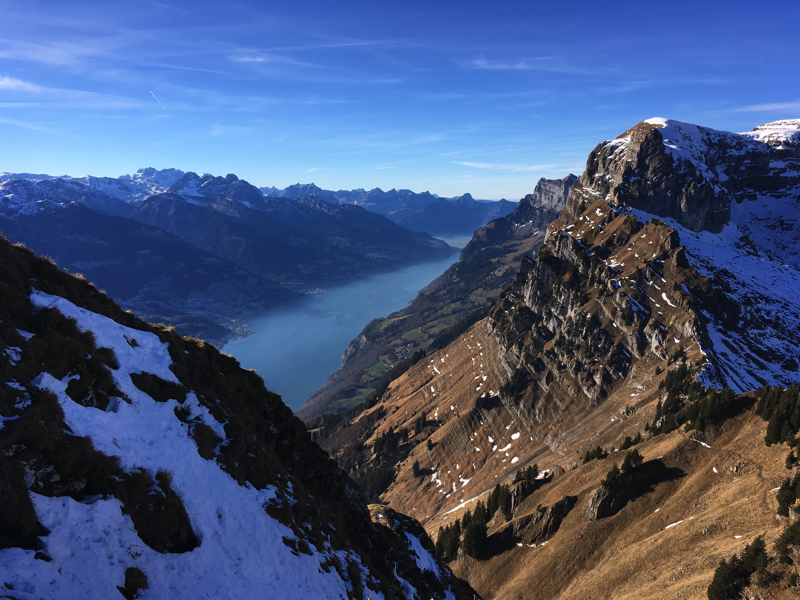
(669, 275)
(135, 462)
(693, 174)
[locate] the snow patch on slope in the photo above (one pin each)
(241, 552)
(767, 293)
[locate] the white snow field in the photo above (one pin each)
(91, 543)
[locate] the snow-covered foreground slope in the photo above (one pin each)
(259, 533)
(241, 550)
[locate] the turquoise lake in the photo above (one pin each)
(297, 347)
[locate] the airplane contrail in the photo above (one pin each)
(157, 100)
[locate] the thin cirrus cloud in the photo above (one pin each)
(271, 59)
(539, 63)
(27, 125)
(17, 85)
(772, 107)
(505, 166)
(217, 130)
(49, 97)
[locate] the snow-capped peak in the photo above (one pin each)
(777, 133)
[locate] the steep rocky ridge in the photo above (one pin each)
(135, 459)
(663, 259)
(486, 265)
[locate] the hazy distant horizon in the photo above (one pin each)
(446, 97)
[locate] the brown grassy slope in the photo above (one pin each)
(634, 554)
(466, 286)
(557, 416)
(455, 427)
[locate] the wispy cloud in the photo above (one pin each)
(52, 54)
(27, 125)
(512, 65)
(51, 97)
(313, 101)
(505, 166)
(312, 169)
(230, 129)
(271, 59)
(788, 107)
(351, 44)
(47, 97)
(17, 85)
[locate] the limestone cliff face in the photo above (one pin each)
(610, 288)
(549, 194)
(690, 173)
(662, 255)
(576, 319)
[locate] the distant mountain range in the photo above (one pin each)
(200, 252)
(457, 216)
(426, 212)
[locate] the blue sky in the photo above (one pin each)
(450, 97)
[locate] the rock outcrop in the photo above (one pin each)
(690, 173)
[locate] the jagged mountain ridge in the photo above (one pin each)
(127, 188)
(132, 458)
(457, 216)
(617, 297)
(485, 266)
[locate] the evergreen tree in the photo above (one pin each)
(789, 537)
(632, 460)
(529, 474)
(787, 494)
(447, 542)
(731, 577)
(728, 581)
(612, 478)
(474, 539)
(791, 460)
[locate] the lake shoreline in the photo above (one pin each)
(296, 346)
